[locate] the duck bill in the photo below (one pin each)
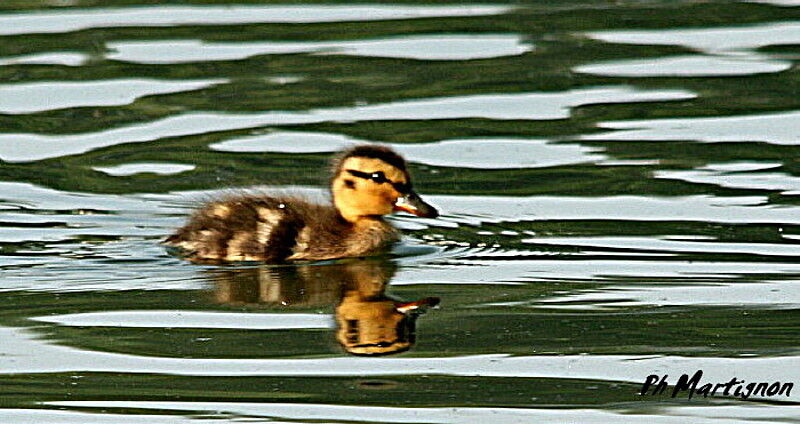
(414, 205)
(418, 306)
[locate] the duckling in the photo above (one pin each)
(369, 181)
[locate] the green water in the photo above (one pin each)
(618, 183)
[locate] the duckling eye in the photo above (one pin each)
(379, 177)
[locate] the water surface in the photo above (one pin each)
(618, 185)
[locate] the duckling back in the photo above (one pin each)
(276, 229)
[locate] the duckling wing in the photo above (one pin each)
(246, 228)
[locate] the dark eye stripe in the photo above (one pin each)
(379, 178)
(360, 174)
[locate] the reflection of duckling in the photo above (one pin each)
(369, 181)
(377, 324)
(368, 321)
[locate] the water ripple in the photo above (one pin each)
(711, 40)
(528, 106)
(777, 128)
(424, 47)
(190, 319)
(311, 412)
(685, 66)
(74, 20)
(42, 96)
(483, 153)
(34, 356)
(139, 168)
(55, 58)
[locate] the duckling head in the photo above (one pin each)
(372, 180)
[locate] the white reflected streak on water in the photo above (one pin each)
(499, 153)
(777, 128)
(67, 274)
(144, 167)
(39, 198)
(665, 245)
(535, 270)
(41, 416)
(741, 166)
(321, 412)
(482, 153)
(778, 181)
(713, 40)
(122, 229)
(686, 66)
(774, 295)
(702, 208)
(17, 98)
(535, 106)
(287, 142)
(32, 355)
(73, 20)
(55, 58)
(190, 319)
(424, 47)
(789, 3)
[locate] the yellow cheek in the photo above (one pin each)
(391, 196)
